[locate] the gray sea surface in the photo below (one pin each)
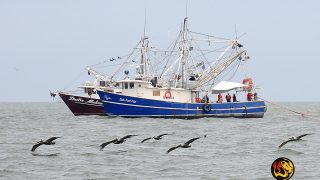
(233, 149)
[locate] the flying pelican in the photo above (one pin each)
(46, 142)
(298, 138)
(185, 145)
(116, 141)
(155, 137)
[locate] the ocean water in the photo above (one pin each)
(233, 149)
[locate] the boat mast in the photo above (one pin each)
(144, 48)
(184, 52)
(143, 61)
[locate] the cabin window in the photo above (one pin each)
(125, 85)
(89, 91)
(131, 85)
(102, 83)
(156, 93)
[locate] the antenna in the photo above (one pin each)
(145, 22)
(235, 29)
(186, 8)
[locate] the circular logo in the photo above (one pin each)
(282, 168)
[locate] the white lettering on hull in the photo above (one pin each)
(90, 101)
(127, 100)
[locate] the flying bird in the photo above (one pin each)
(46, 142)
(112, 59)
(155, 137)
(116, 141)
(53, 95)
(186, 144)
(298, 138)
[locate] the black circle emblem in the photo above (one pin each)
(282, 168)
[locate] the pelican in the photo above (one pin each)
(186, 144)
(155, 137)
(116, 141)
(46, 142)
(298, 138)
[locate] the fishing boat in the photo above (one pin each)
(87, 102)
(182, 85)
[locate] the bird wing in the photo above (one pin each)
(299, 137)
(34, 147)
(162, 135)
(106, 143)
(52, 139)
(146, 139)
(127, 136)
(191, 140)
(282, 144)
(173, 148)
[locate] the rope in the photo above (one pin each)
(284, 107)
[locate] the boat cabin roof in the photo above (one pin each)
(134, 81)
(87, 86)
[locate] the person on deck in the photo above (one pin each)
(255, 96)
(250, 96)
(228, 97)
(234, 98)
(205, 99)
(219, 98)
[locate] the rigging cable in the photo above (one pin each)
(284, 107)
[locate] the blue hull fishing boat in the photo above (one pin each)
(182, 83)
(128, 106)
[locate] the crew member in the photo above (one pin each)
(228, 97)
(219, 98)
(250, 96)
(255, 96)
(234, 98)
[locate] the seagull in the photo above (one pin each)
(116, 141)
(155, 137)
(185, 145)
(298, 138)
(46, 142)
(239, 45)
(52, 94)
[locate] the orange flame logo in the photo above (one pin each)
(282, 168)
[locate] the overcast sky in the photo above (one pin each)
(47, 44)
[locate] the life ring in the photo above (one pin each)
(249, 83)
(206, 108)
(167, 95)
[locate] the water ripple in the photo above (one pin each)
(233, 147)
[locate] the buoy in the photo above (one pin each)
(167, 95)
(249, 83)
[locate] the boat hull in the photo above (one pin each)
(80, 105)
(128, 106)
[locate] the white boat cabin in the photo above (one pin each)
(145, 89)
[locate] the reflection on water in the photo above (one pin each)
(36, 154)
